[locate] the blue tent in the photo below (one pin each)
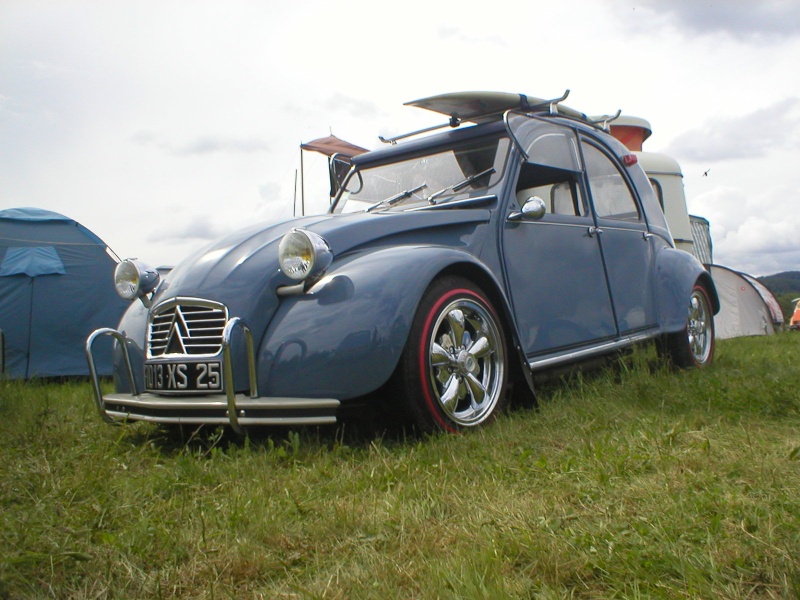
(56, 287)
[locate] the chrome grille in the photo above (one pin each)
(186, 328)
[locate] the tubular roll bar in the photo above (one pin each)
(227, 365)
(98, 393)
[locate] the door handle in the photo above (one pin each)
(646, 235)
(594, 230)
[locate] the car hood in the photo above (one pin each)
(241, 270)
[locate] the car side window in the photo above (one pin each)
(557, 187)
(565, 198)
(610, 193)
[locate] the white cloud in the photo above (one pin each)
(764, 21)
(754, 234)
(356, 107)
(775, 128)
(198, 227)
(204, 144)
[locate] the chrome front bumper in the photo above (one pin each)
(236, 410)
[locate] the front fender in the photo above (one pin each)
(344, 337)
(677, 274)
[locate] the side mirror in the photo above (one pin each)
(533, 210)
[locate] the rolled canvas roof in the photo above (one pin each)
(333, 145)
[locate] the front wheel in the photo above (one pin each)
(694, 346)
(454, 368)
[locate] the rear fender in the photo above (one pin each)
(343, 337)
(677, 274)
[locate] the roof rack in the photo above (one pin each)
(604, 121)
(552, 105)
(454, 122)
(479, 107)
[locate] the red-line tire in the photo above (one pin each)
(454, 369)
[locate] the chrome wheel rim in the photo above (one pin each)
(466, 362)
(699, 327)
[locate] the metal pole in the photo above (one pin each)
(294, 201)
(302, 187)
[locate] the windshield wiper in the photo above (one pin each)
(391, 201)
(460, 185)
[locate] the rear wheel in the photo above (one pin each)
(694, 346)
(454, 368)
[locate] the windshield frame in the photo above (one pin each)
(435, 193)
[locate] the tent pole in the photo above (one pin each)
(302, 187)
(30, 334)
(294, 200)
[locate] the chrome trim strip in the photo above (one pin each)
(548, 223)
(291, 290)
(220, 401)
(569, 357)
(273, 421)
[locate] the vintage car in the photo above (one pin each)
(451, 268)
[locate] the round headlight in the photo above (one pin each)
(133, 279)
(302, 254)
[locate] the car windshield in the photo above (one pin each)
(429, 179)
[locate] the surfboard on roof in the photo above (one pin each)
(484, 106)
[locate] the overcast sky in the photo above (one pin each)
(161, 125)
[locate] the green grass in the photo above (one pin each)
(634, 483)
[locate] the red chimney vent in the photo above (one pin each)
(631, 131)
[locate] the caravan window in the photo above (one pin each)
(658, 190)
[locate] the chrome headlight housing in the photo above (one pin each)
(134, 279)
(303, 254)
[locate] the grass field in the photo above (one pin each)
(637, 482)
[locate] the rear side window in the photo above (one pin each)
(610, 193)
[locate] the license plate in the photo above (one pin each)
(183, 377)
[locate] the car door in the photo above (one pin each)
(553, 264)
(626, 245)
